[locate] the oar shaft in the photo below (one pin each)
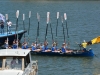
(51, 32)
(46, 32)
(56, 28)
(24, 29)
(37, 32)
(28, 29)
(67, 29)
(29, 26)
(7, 26)
(16, 29)
(63, 32)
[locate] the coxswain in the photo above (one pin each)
(84, 45)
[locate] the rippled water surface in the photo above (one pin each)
(83, 20)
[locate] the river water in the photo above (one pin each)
(83, 19)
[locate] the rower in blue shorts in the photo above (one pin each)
(14, 46)
(25, 46)
(54, 47)
(44, 48)
(64, 48)
(34, 48)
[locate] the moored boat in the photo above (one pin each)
(11, 36)
(17, 62)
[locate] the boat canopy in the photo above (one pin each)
(14, 52)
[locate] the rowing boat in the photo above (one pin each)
(80, 53)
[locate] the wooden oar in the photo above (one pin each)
(7, 26)
(47, 25)
(24, 26)
(63, 28)
(29, 25)
(57, 25)
(65, 17)
(38, 18)
(17, 15)
(51, 32)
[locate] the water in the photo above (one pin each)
(83, 23)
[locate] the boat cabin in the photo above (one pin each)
(15, 62)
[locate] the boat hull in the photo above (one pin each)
(11, 37)
(74, 53)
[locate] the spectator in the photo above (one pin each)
(9, 24)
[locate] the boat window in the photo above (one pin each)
(27, 60)
(13, 63)
(1, 62)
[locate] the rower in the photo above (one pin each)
(6, 44)
(33, 46)
(54, 47)
(45, 47)
(24, 45)
(63, 48)
(14, 46)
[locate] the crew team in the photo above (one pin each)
(39, 47)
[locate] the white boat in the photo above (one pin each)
(17, 62)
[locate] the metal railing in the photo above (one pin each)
(29, 70)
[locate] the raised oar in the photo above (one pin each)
(29, 25)
(17, 15)
(63, 28)
(24, 26)
(38, 18)
(47, 25)
(51, 32)
(7, 26)
(65, 17)
(57, 25)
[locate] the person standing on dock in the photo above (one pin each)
(2, 26)
(9, 23)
